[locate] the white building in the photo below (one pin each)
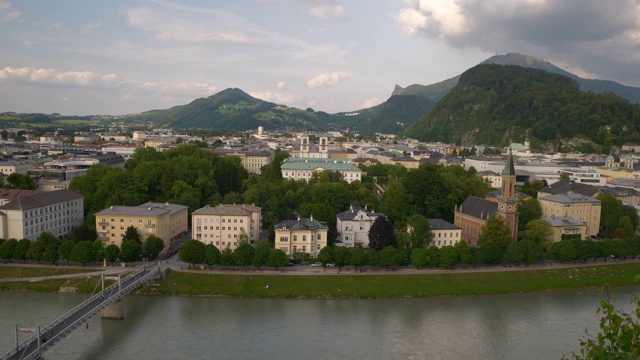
(444, 233)
(304, 168)
(354, 224)
(56, 212)
(10, 167)
(222, 225)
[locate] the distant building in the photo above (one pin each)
(444, 233)
(252, 160)
(163, 220)
(576, 206)
(354, 224)
(222, 225)
(11, 167)
(30, 213)
(304, 168)
(303, 235)
(562, 225)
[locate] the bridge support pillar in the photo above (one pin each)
(114, 311)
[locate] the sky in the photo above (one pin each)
(79, 57)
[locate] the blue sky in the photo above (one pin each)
(117, 57)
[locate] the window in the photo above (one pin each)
(121, 220)
(140, 221)
(319, 236)
(304, 237)
(284, 239)
(295, 237)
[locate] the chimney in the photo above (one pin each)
(311, 217)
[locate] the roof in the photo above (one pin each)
(355, 210)
(478, 208)
(228, 210)
(563, 221)
(570, 197)
(508, 166)
(563, 186)
(439, 224)
(313, 164)
(148, 209)
(10, 194)
(40, 199)
(301, 224)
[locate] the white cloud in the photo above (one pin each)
(280, 85)
(438, 17)
(328, 12)
(328, 79)
(13, 15)
(371, 102)
(277, 98)
(4, 5)
(88, 27)
(47, 76)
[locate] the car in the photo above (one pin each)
(331, 265)
(316, 264)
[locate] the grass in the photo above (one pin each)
(10, 272)
(84, 284)
(377, 286)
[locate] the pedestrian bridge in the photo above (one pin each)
(45, 337)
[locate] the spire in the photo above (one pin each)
(508, 166)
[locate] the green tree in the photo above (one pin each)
(381, 234)
(131, 234)
(261, 256)
(357, 257)
(36, 251)
(466, 257)
(490, 254)
(65, 249)
(243, 254)
(421, 234)
(395, 203)
(82, 252)
(539, 232)
(20, 252)
(192, 252)
(564, 251)
(433, 256)
(626, 225)
(111, 253)
(390, 256)
(130, 251)
(494, 230)
(152, 247)
(211, 255)
(84, 232)
(528, 210)
(226, 257)
(448, 256)
(51, 254)
(419, 257)
(20, 181)
(47, 238)
(325, 255)
(7, 248)
(341, 256)
(98, 250)
(278, 258)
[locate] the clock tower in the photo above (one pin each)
(508, 201)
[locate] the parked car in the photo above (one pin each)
(331, 265)
(316, 264)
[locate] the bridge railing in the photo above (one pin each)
(33, 338)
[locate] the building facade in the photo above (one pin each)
(565, 225)
(354, 224)
(163, 220)
(444, 233)
(304, 168)
(572, 205)
(10, 167)
(223, 225)
(252, 160)
(29, 215)
(304, 235)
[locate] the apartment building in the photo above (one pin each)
(565, 225)
(30, 213)
(304, 168)
(575, 206)
(223, 225)
(303, 235)
(252, 160)
(444, 233)
(354, 224)
(163, 220)
(10, 167)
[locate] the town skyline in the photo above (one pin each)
(126, 57)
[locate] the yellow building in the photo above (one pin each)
(566, 225)
(222, 225)
(163, 220)
(575, 206)
(444, 233)
(302, 235)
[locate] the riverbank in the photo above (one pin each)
(239, 284)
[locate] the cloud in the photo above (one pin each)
(585, 33)
(88, 27)
(47, 76)
(277, 98)
(371, 102)
(280, 85)
(13, 15)
(4, 5)
(328, 79)
(328, 12)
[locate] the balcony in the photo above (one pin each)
(102, 231)
(103, 223)
(150, 225)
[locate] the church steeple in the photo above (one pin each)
(508, 201)
(508, 166)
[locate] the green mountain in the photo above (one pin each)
(438, 90)
(495, 104)
(392, 116)
(232, 109)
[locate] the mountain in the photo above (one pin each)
(232, 109)
(392, 116)
(497, 104)
(436, 91)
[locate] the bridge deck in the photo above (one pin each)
(61, 327)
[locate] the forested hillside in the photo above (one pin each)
(494, 104)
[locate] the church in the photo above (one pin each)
(474, 211)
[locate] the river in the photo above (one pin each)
(542, 325)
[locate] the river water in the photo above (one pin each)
(542, 325)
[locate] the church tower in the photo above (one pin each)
(508, 201)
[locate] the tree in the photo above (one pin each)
(20, 252)
(131, 234)
(211, 255)
(152, 247)
(20, 181)
(490, 254)
(130, 251)
(226, 257)
(528, 210)
(98, 250)
(65, 249)
(84, 232)
(433, 256)
(420, 235)
(111, 253)
(51, 254)
(390, 256)
(82, 252)
(464, 252)
(47, 238)
(381, 234)
(419, 257)
(36, 251)
(341, 256)
(357, 257)
(278, 258)
(494, 230)
(325, 255)
(7, 248)
(564, 251)
(448, 256)
(192, 252)
(243, 254)
(539, 232)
